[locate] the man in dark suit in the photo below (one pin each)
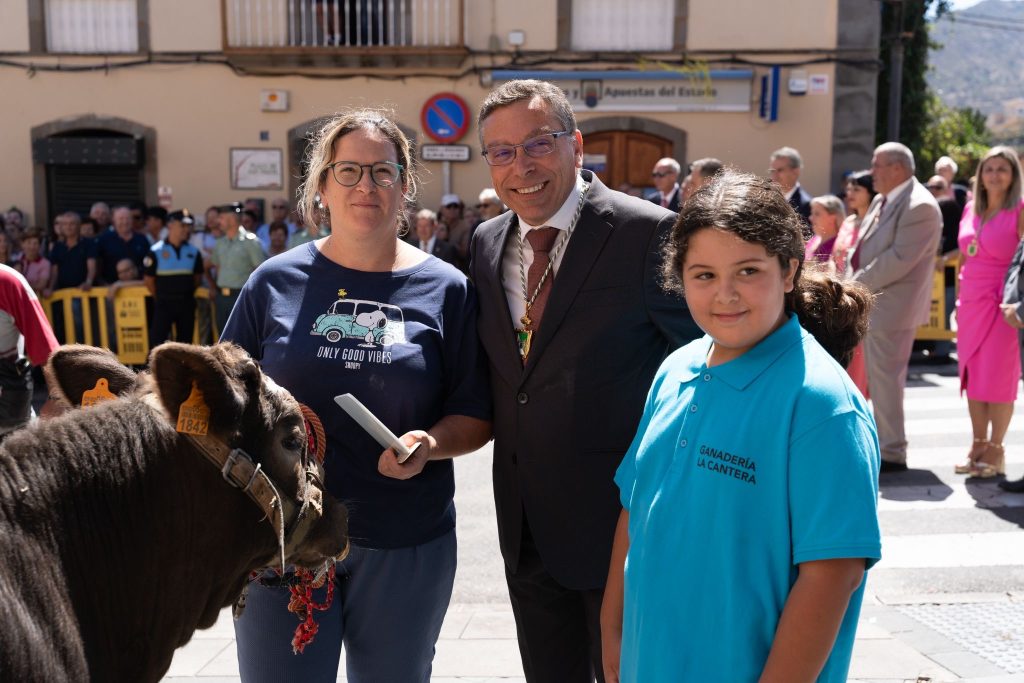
(784, 169)
(665, 177)
(1013, 314)
(426, 238)
(575, 324)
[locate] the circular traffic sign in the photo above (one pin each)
(445, 117)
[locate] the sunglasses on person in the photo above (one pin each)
(935, 187)
(452, 205)
(661, 174)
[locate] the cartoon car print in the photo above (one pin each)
(370, 321)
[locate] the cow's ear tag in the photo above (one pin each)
(98, 394)
(194, 414)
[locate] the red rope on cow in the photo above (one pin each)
(315, 436)
(302, 604)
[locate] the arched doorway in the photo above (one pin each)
(86, 159)
(623, 149)
(298, 142)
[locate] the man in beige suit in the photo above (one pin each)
(895, 258)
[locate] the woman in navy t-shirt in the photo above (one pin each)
(363, 312)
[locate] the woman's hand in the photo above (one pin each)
(389, 466)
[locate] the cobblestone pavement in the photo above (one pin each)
(945, 604)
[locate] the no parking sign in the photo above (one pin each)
(445, 117)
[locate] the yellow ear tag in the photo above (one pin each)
(194, 414)
(98, 394)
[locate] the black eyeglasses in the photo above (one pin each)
(935, 187)
(542, 145)
(661, 174)
(382, 173)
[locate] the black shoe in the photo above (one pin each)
(1012, 486)
(890, 466)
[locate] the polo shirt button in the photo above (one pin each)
(707, 378)
(522, 398)
(693, 408)
(682, 444)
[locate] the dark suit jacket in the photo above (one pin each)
(673, 200)
(801, 201)
(563, 422)
(445, 251)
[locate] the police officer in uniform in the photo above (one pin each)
(172, 270)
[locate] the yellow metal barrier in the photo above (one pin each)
(937, 328)
(130, 319)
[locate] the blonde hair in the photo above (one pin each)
(1012, 195)
(321, 149)
(832, 204)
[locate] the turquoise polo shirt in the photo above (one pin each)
(739, 473)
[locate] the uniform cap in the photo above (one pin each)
(184, 216)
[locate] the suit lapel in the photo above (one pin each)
(872, 219)
(507, 359)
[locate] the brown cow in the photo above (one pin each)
(119, 538)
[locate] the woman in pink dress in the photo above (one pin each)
(987, 347)
(860, 190)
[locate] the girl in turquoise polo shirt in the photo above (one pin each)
(749, 492)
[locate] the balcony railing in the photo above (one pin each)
(342, 25)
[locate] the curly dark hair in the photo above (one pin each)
(834, 310)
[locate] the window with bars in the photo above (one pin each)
(342, 23)
(614, 25)
(92, 26)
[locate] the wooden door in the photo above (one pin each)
(624, 156)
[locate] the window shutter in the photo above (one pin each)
(92, 26)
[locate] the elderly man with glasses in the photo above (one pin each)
(574, 323)
(784, 169)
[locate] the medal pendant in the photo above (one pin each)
(972, 248)
(523, 339)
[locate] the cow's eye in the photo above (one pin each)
(292, 442)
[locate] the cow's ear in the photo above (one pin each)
(76, 370)
(176, 367)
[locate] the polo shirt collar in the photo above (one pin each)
(740, 372)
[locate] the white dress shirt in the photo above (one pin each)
(511, 276)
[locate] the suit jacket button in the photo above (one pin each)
(522, 398)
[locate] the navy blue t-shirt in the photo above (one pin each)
(72, 268)
(404, 343)
(111, 249)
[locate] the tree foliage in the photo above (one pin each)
(957, 133)
(927, 126)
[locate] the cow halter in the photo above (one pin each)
(291, 520)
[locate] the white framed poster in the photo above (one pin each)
(257, 169)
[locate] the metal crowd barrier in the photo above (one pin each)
(938, 327)
(120, 324)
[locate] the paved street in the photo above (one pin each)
(945, 604)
